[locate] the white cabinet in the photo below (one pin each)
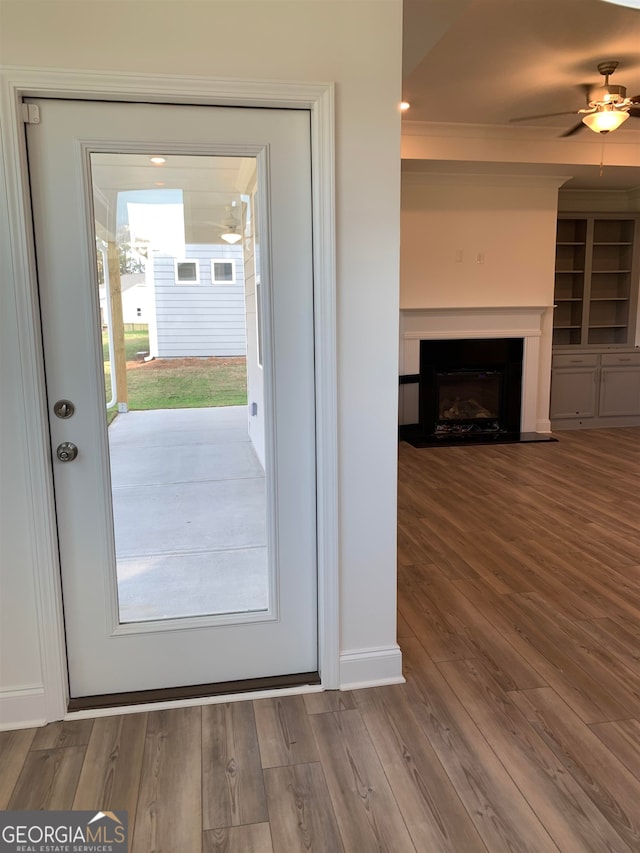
(574, 386)
(595, 377)
(619, 385)
(595, 389)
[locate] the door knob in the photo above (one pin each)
(67, 451)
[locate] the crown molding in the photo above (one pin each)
(482, 179)
(622, 200)
(463, 130)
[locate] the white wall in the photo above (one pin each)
(20, 662)
(357, 45)
(135, 297)
(451, 222)
(479, 241)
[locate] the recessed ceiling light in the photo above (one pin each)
(404, 105)
(157, 161)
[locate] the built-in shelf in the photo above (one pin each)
(595, 297)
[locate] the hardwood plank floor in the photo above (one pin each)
(284, 732)
(300, 809)
(366, 810)
(14, 748)
(110, 777)
(250, 838)
(48, 779)
(169, 812)
(232, 783)
(518, 728)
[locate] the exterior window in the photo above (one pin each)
(223, 271)
(187, 272)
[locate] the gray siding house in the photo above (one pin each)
(197, 302)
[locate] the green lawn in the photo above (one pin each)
(181, 383)
(134, 342)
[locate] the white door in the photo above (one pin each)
(187, 529)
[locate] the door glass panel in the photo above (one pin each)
(176, 255)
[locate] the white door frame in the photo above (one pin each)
(16, 243)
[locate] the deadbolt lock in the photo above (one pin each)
(63, 409)
(67, 451)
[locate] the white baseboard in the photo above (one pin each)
(22, 707)
(371, 667)
(543, 426)
(25, 707)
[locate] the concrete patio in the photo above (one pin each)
(189, 511)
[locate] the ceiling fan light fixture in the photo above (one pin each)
(605, 119)
(231, 236)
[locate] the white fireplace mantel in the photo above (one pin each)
(532, 323)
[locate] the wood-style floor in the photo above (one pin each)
(518, 728)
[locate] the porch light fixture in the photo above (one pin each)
(605, 118)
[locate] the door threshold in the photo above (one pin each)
(195, 691)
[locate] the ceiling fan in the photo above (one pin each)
(230, 226)
(607, 106)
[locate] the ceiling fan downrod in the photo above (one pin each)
(608, 93)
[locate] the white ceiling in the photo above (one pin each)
(210, 185)
(485, 62)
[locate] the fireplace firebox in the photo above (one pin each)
(470, 390)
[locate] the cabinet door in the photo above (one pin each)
(619, 391)
(573, 392)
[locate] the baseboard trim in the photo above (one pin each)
(22, 707)
(543, 425)
(372, 667)
(596, 422)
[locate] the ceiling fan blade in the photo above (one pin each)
(544, 115)
(572, 130)
(634, 110)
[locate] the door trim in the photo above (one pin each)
(16, 243)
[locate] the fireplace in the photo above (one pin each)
(468, 400)
(531, 324)
(470, 390)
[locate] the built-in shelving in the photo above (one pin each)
(595, 284)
